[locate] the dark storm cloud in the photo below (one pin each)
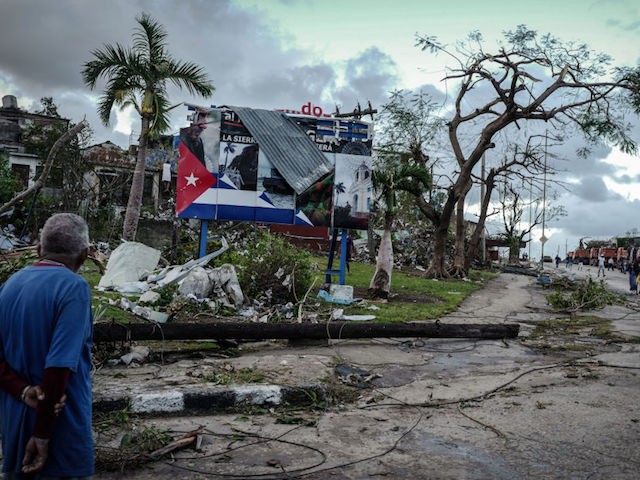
(369, 77)
(628, 179)
(281, 88)
(610, 218)
(593, 189)
(248, 60)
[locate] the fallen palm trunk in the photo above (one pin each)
(106, 332)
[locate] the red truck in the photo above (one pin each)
(581, 255)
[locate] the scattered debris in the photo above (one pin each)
(137, 354)
(130, 262)
(193, 438)
(341, 299)
(354, 376)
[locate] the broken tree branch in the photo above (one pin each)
(39, 183)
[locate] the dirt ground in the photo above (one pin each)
(559, 402)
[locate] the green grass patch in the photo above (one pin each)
(413, 297)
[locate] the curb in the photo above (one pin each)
(211, 400)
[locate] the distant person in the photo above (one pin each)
(46, 332)
(610, 264)
(570, 262)
(558, 259)
(349, 252)
(601, 265)
(634, 271)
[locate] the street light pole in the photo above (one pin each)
(483, 238)
(543, 239)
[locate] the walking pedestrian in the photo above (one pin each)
(601, 265)
(46, 332)
(634, 270)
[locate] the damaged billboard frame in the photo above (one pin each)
(267, 166)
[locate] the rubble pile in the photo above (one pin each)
(132, 270)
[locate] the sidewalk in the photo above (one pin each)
(554, 403)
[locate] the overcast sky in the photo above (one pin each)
(285, 53)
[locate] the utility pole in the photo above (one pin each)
(483, 237)
(543, 239)
(530, 215)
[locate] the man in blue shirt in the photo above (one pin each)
(46, 331)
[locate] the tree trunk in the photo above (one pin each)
(137, 186)
(458, 263)
(371, 241)
(437, 266)
(111, 332)
(474, 241)
(380, 285)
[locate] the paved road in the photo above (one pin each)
(557, 405)
(615, 280)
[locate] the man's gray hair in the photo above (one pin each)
(65, 233)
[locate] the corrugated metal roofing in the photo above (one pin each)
(287, 146)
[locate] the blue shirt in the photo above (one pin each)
(45, 321)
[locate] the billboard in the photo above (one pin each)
(230, 171)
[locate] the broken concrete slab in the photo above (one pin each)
(196, 283)
(129, 262)
(226, 284)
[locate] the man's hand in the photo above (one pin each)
(35, 455)
(35, 394)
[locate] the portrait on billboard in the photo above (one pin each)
(202, 137)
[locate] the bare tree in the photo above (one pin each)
(514, 204)
(527, 165)
(582, 90)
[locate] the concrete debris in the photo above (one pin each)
(197, 283)
(149, 297)
(358, 318)
(226, 285)
(131, 288)
(324, 295)
(341, 293)
(354, 376)
(130, 271)
(137, 354)
(144, 312)
(338, 314)
(129, 262)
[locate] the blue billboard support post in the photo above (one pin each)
(343, 257)
(204, 229)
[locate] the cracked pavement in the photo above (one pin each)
(432, 409)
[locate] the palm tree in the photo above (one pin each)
(392, 176)
(230, 148)
(138, 77)
(338, 188)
